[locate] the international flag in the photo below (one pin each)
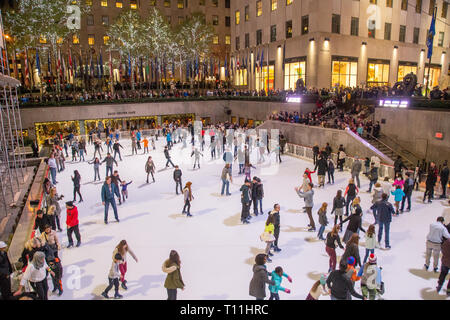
(430, 37)
(70, 63)
(49, 68)
(101, 65)
(27, 71)
(129, 65)
(262, 58)
(38, 62)
(110, 68)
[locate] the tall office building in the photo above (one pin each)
(337, 42)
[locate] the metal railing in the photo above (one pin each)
(412, 161)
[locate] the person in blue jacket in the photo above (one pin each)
(277, 277)
(169, 140)
(398, 196)
(108, 191)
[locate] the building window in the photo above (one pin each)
(215, 3)
(274, 5)
(227, 4)
(336, 23)
(343, 73)
(354, 29)
(247, 40)
(404, 69)
(265, 78)
(305, 24)
(389, 3)
(215, 39)
(91, 39)
(75, 39)
(258, 37)
(169, 19)
(378, 74)
(106, 40)
(167, 3)
(371, 29)
(444, 9)
(258, 8)
(288, 29)
(247, 13)
(105, 21)
(119, 4)
(418, 6)
(416, 35)
(237, 16)
(289, 2)
(89, 2)
(402, 34)
(373, 1)
(293, 72)
(215, 20)
(201, 2)
(227, 21)
(42, 39)
(273, 33)
(227, 39)
(180, 19)
(387, 31)
(405, 5)
(432, 5)
(153, 3)
(237, 43)
(180, 4)
(441, 39)
(104, 3)
(90, 20)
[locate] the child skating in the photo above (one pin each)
(277, 277)
(113, 277)
(124, 186)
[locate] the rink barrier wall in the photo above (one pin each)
(306, 153)
(24, 230)
(301, 134)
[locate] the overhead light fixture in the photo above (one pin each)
(364, 43)
(395, 47)
(327, 39)
(279, 46)
(444, 52)
(394, 103)
(311, 39)
(423, 50)
(294, 99)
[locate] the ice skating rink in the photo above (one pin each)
(217, 252)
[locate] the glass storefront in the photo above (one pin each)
(435, 74)
(344, 72)
(181, 119)
(404, 69)
(240, 78)
(292, 72)
(378, 73)
(121, 123)
(48, 130)
(265, 78)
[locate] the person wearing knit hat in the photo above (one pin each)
(319, 288)
(372, 259)
(351, 271)
(370, 278)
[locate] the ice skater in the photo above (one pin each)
(96, 162)
(76, 179)
(124, 186)
(277, 277)
(113, 277)
(177, 178)
(188, 197)
(109, 163)
(97, 148)
(116, 148)
(150, 168)
(123, 249)
(108, 191)
(197, 154)
(167, 155)
(145, 142)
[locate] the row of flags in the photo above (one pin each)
(69, 66)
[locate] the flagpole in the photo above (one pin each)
(429, 60)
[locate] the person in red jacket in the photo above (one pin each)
(308, 173)
(72, 224)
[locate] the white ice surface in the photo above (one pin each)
(216, 251)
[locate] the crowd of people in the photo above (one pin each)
(41, 257)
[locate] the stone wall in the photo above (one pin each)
(215, 110)
(415, 131)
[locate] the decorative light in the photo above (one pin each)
(394, 103)
(364, 43)
(395, 47)
(311, 39)
(294, 99)
(327, 39)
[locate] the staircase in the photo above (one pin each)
(393, 150)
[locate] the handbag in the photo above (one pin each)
(267, 237)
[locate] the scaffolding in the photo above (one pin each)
(12, 156)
